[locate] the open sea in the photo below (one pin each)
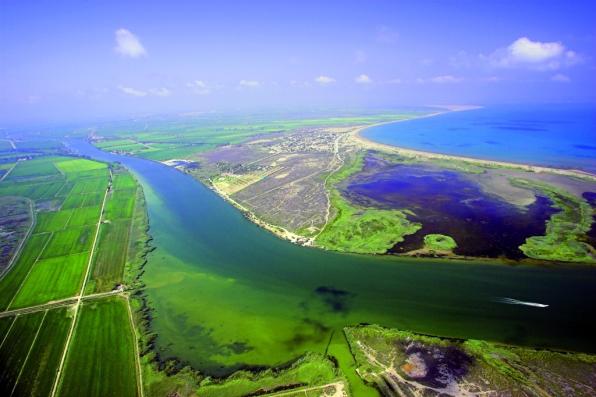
(552, 135)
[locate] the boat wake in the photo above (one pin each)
(511, 301)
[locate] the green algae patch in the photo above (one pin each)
(566, 229)
(358, 229)
(439, 242)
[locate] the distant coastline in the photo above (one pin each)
(366, 143)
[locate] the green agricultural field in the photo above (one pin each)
(90, 185)
(10, 283)
(110, 255)
(37, 168)
(70, 241)
(85, 216)
(123, 180)
(51, 279)
(35, 191)
(74, 200)
(79, 165)
(52, 221)
(15, 348)
(100, 360)
(39, 371)
(120, 204)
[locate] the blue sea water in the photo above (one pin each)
(551, 135)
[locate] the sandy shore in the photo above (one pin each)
(357, 138)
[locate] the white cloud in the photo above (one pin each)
(127, 44)
(386, 35)
(324, 80)
(445, 79)
(363, 79)
(394, 81)
(163, 92)
(160, 92)
(249, 84)
(132, 91)
(524, 52)
(560, 78)
(199, 87)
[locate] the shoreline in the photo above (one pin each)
(356, 137)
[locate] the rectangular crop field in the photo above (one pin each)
(90, 185)
(101, 360)
(70, 241)
(36, 168)
(110, 255)
(10, 283)
(51, 279)
(79, 165)
(52, 221)
(85, 216)
(123, 180)
(15, 348)
(121, 204)
(74, 200)
(39, 371)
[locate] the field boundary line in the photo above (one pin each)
(16, 382)
(8, 331)
(136, 349)
(77, 304)
(30, 269)
(9, 171)
(17, 253)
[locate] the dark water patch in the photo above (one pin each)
(336, 299)
(311, 331)
(446, 202)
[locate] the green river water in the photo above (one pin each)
(227, 294)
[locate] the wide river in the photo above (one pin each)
(227, 293)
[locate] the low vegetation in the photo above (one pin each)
(565, 231)
(361, 230)
(405, 363)
(439, 242)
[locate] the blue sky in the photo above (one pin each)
(62, 61)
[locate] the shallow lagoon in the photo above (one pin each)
(228, 294)
(553, 135)
(447, 202)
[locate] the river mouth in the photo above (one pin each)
(226, 294)
(450, 203)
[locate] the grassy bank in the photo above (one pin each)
(357, 229)
(565, 231)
